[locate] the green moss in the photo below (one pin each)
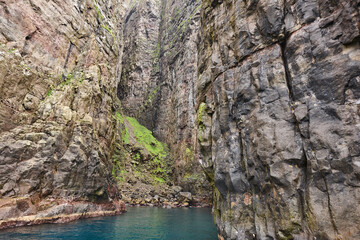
(146, 139)
(119, 161)
(121, 176)
(157, 51)
(216, 200)
(119, 117)
(49, 93)
(103, 25)
(188, 152)
(158, 179)
(67, 80)
(125, 132)
(210, 176)
(150, 98)
(201, 113)
(183, 25)
(137, 156)
(192, 176)
(151, 167)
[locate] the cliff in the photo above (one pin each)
(278, 113)
(260, 95)
(59, 65)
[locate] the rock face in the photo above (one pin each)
(279, 117)
(158, 80)
(63, 67)
(141, 55)
(265, 93)
(59, 65)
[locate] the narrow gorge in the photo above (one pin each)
(249, 106)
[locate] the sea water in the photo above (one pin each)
(137, 223)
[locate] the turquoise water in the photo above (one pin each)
(138, 223)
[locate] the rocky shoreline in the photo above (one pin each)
(25, 212)
(184, 199)
(163, 195)
(28, 211)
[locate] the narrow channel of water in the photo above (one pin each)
(138, 223)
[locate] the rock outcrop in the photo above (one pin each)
(158, 80)
(263, 95)
(278, 109)
(64, 68)
(59, 65)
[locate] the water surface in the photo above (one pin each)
(137, 223)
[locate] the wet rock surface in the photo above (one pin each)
(33, 211)
(279, 127)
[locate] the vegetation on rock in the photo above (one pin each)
(142, 153)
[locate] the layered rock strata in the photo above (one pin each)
(59, 69)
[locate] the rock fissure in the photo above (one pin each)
(333, 223)
(287, 72)
(71, 45)
(259, 97)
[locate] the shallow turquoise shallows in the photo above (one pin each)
(137, 223)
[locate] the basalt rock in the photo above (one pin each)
(278, 109)
(263, 93)
(52, 211)
(158, 80)
(58, 62)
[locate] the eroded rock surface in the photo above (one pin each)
(59, 63)
(158, 80)
(279, 107)
(264, 92)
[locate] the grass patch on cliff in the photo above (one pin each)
(146, 139)
(157, 165)
(119, 163)
(200, 113)
(140, 152)
(64, 81)
(125, 132)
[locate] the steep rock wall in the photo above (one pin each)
(157, 84)
(59, 65)
(266, 90)
(174, 103)
(140, 60)
(278, 109)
